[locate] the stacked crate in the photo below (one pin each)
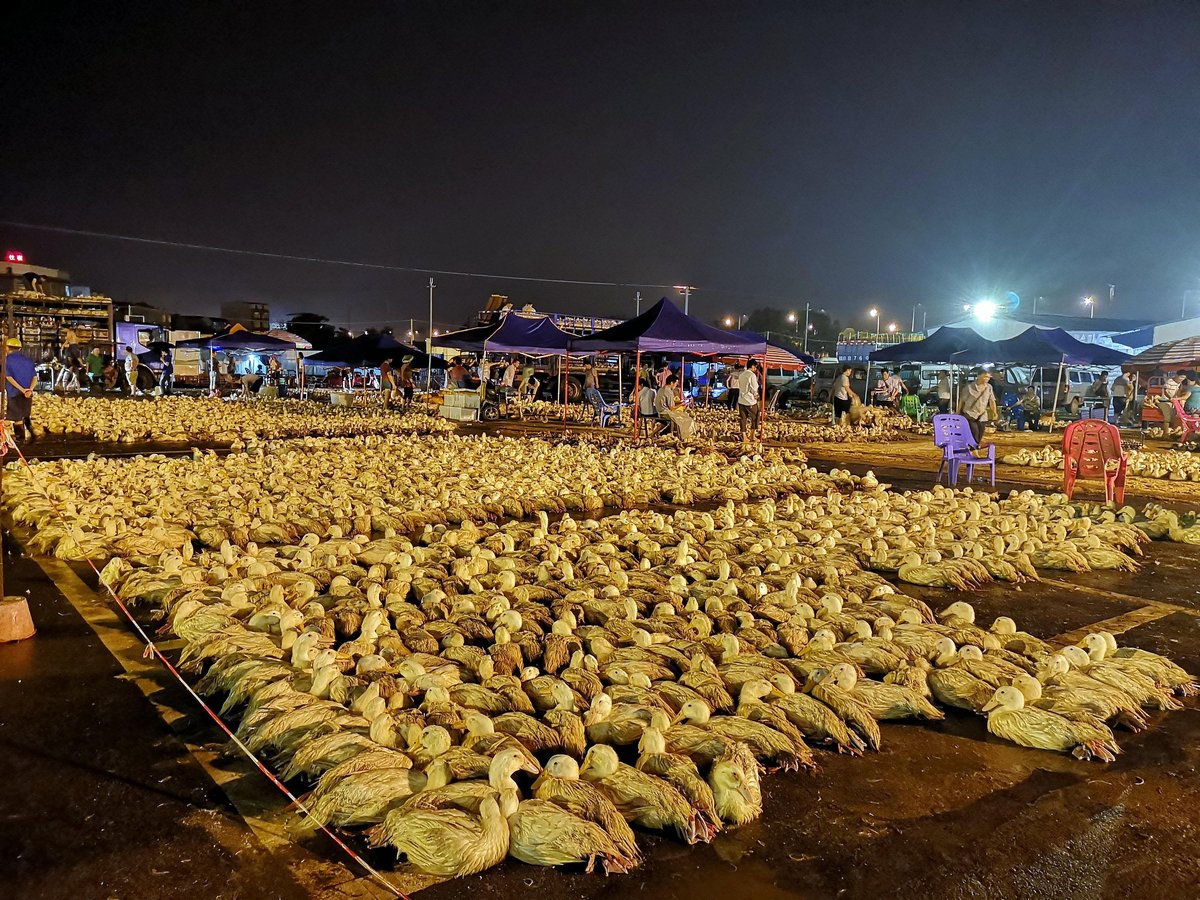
(460, 405)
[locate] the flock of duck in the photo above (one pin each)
(456, 646)
(1172, 465)
(184, 419)
(640, 669)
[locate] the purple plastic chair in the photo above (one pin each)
(953, 434)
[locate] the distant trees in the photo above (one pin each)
(314, 328)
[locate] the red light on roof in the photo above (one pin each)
(15, 256)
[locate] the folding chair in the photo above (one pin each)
(1189, 421)
(1092, 449)
(952, 434)
(911, 406)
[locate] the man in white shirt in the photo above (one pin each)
(748, 408)
(1120, 393)
(666, 405)
(131, 370)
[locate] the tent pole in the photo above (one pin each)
(637, 387)
(762, 410)
(620, 383)
(866, 387)
(565, 385)
(1057, 387)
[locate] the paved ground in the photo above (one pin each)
(112, 785)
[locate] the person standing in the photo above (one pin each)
(748, 408)
(978, 405)
(166, 376)
(1097, 394)
(21, 380)
(843, 395)
(1120, 395)
(387, 382)
(663, 374)
(943, 392)
(732, 385)
(95, 368)
(130, 369)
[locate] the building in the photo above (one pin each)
(143, 313)
(251, 316)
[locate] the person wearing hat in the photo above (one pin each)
(405, 379)
(21, 379)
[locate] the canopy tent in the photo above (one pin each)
(1052, 346)
(470, 339)
(238, 339)
(524, 334)
(372, 350)
(962, 346)
(1167, 356)
(298, 342)
(780, 356)
(664, 328)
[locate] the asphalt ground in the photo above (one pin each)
(115, 787)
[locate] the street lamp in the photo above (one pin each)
(874, 311)
(729, 321)
(891, 328)
(1090, 303)
(791, 317)
(686, 290)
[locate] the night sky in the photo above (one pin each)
(771, 154)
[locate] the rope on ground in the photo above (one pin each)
(152, 650)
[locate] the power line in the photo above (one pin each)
(158, 242)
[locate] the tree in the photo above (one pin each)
(314, 328)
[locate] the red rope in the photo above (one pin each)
(153, 651)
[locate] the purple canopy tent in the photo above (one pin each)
(664, 328)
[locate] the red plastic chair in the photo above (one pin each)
(1089, 446)
(1189, 421)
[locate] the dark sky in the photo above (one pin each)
(844, 154)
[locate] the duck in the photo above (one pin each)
(769, 745)
(607, 723)
(1140, 687)
(1103, 646)
(367, 796)
(642, 798)
(1010, 719)
(542, 833)
(1080, 703)
(450, 843)
(679, 771)
(469, 793)
(559, 783)
(849, 708)
(733, 778)
(815, 720)
(885, 701)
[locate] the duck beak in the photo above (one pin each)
(678, 718)
(990, 705)
(531, 767)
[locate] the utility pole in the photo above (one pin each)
(429, 342)
(637, 300)
(807, 307)
(686, 290)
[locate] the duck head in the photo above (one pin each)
(1096, 646)
(862, 630)
(844, 676)
(696, 711)
(477, 723)
(1005, 699)
(1004, 625)
(508, 762)
(832, 604)
(652, 741)
(731, 647)
(600, 762)
(1075, 656)
(1030, 687)
(959, 609)
(823, 640)
(945, 651)
(563, 696)
(754, 690)
(600, 709)
(783, 684)
(971, 652)
(559, 766)
(435, 740)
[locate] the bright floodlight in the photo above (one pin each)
(872, 312)
(791, 317)
(892, 327)
(985, 310)
(728, 321)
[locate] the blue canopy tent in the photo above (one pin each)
(960, 346)
(529, 335)
(1048, 346)
(238, 339)
(664, 328)
(371, 350)
(470, 339)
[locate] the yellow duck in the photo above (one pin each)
(543, 834)
(885, 701)
(642, 798)
(559, 783)
(1009, 718)
(447, 842)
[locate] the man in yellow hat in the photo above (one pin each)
(22, 377)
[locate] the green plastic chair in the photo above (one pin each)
(911, 406)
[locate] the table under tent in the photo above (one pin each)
(245, 348)
(348, 364)
(668, 331)
(514, 334)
